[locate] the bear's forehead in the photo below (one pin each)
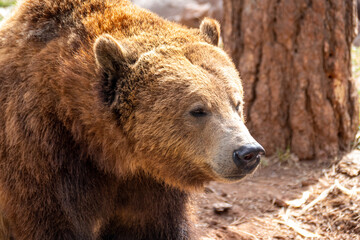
(198, 71)
(214, 84)
(220, 85)
(197, 63)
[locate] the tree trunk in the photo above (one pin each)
(294, 59)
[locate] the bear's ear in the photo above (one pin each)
(210, 29)
(110, 56)
(115, 63)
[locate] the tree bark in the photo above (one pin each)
(294, 59)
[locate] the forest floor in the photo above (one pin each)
(288, 199)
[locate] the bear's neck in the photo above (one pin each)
(150, 210)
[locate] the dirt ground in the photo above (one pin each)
(260, 207)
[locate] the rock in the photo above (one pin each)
(221, 207)
(350, 164)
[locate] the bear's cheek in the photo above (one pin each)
(172, 153)
(178, 171)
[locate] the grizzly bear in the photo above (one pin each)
(110, 117)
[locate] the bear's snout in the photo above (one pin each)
(247, 157)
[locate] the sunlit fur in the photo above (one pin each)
(76, 163)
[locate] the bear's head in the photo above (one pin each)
(181, 108)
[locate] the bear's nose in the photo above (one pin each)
(248, 155)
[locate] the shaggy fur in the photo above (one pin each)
(92, 139)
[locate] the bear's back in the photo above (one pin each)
(38, 22)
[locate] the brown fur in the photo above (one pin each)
(80, 155)
(211, 30)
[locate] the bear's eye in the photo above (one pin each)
(238, 106)
(198, 112)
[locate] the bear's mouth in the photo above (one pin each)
(243, 171)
